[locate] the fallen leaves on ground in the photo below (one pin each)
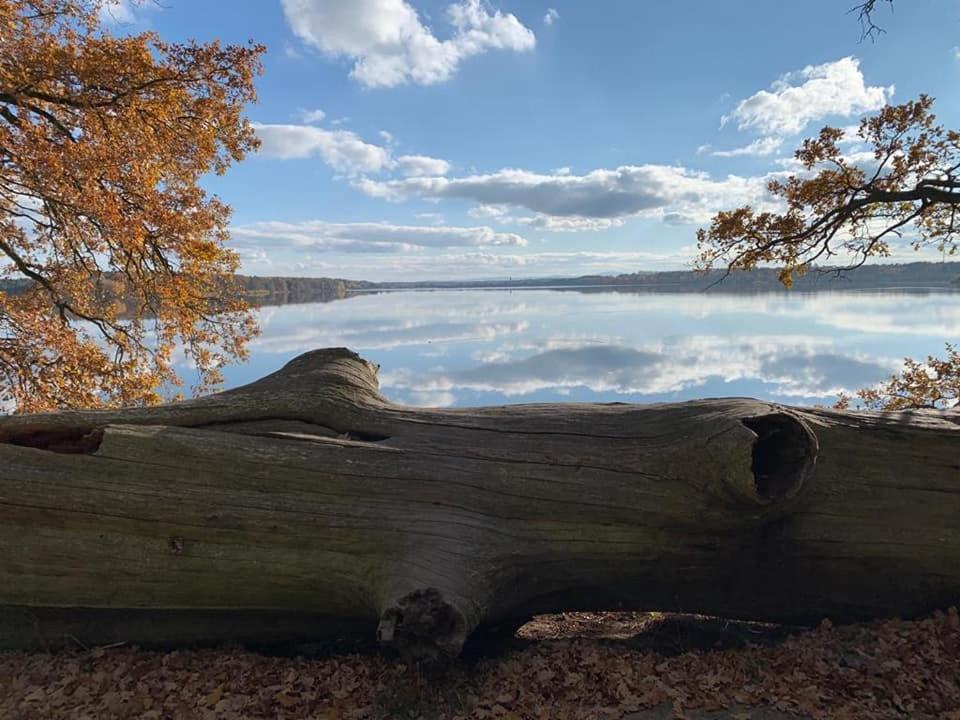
(888, 669)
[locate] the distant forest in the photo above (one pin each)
(262, 290)
(916, 274)
(271, 290)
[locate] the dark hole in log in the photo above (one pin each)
(291, 429)
(782, 454)
(423, 626)
(364, 436)
(77, 442)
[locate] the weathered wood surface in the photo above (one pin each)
(305, 503)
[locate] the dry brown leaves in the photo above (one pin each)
(890, 669)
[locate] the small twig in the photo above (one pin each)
(75, 639)
(110, 646)
(865, 14)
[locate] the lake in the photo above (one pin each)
(489, 347)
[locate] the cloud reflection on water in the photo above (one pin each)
(791, 370)
(467, 347)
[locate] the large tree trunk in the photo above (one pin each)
(305, 503)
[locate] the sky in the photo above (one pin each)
(430, 139)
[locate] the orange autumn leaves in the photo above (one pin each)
(904, 185)
(103, 142)
(908, 186)
(933, 384)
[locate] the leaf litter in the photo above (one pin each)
(880, 670)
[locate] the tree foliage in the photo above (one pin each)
(103, 142)
(906, 187)
(933, 384)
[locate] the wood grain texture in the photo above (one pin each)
(307, 495)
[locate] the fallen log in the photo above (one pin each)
(306, 504)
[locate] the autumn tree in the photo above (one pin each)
(908, 187)
(103, 142)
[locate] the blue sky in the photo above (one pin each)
(412, 139)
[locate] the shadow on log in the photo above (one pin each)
(306, 505)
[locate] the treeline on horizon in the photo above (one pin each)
(927, 274)
(259, 290)
(273, 290)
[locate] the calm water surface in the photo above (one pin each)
(445, 348)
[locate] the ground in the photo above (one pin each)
(617, 666)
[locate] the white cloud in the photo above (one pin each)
(569, 224)
(551, 16)
(252, 255)
(855, 156)
(317, 235)
(669, 192)
(468, 265)
(376, 188)
(835, 88)
(311, 116)
(343, 150)
(501, 214)
(426, 398)
(498, 212)
(391, 46)
(760, 146)
(116, 11)
(422, 165)
(851, 135)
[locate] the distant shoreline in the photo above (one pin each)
(903, 277)
(916, 277)
(946, 287)
(919, 275)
